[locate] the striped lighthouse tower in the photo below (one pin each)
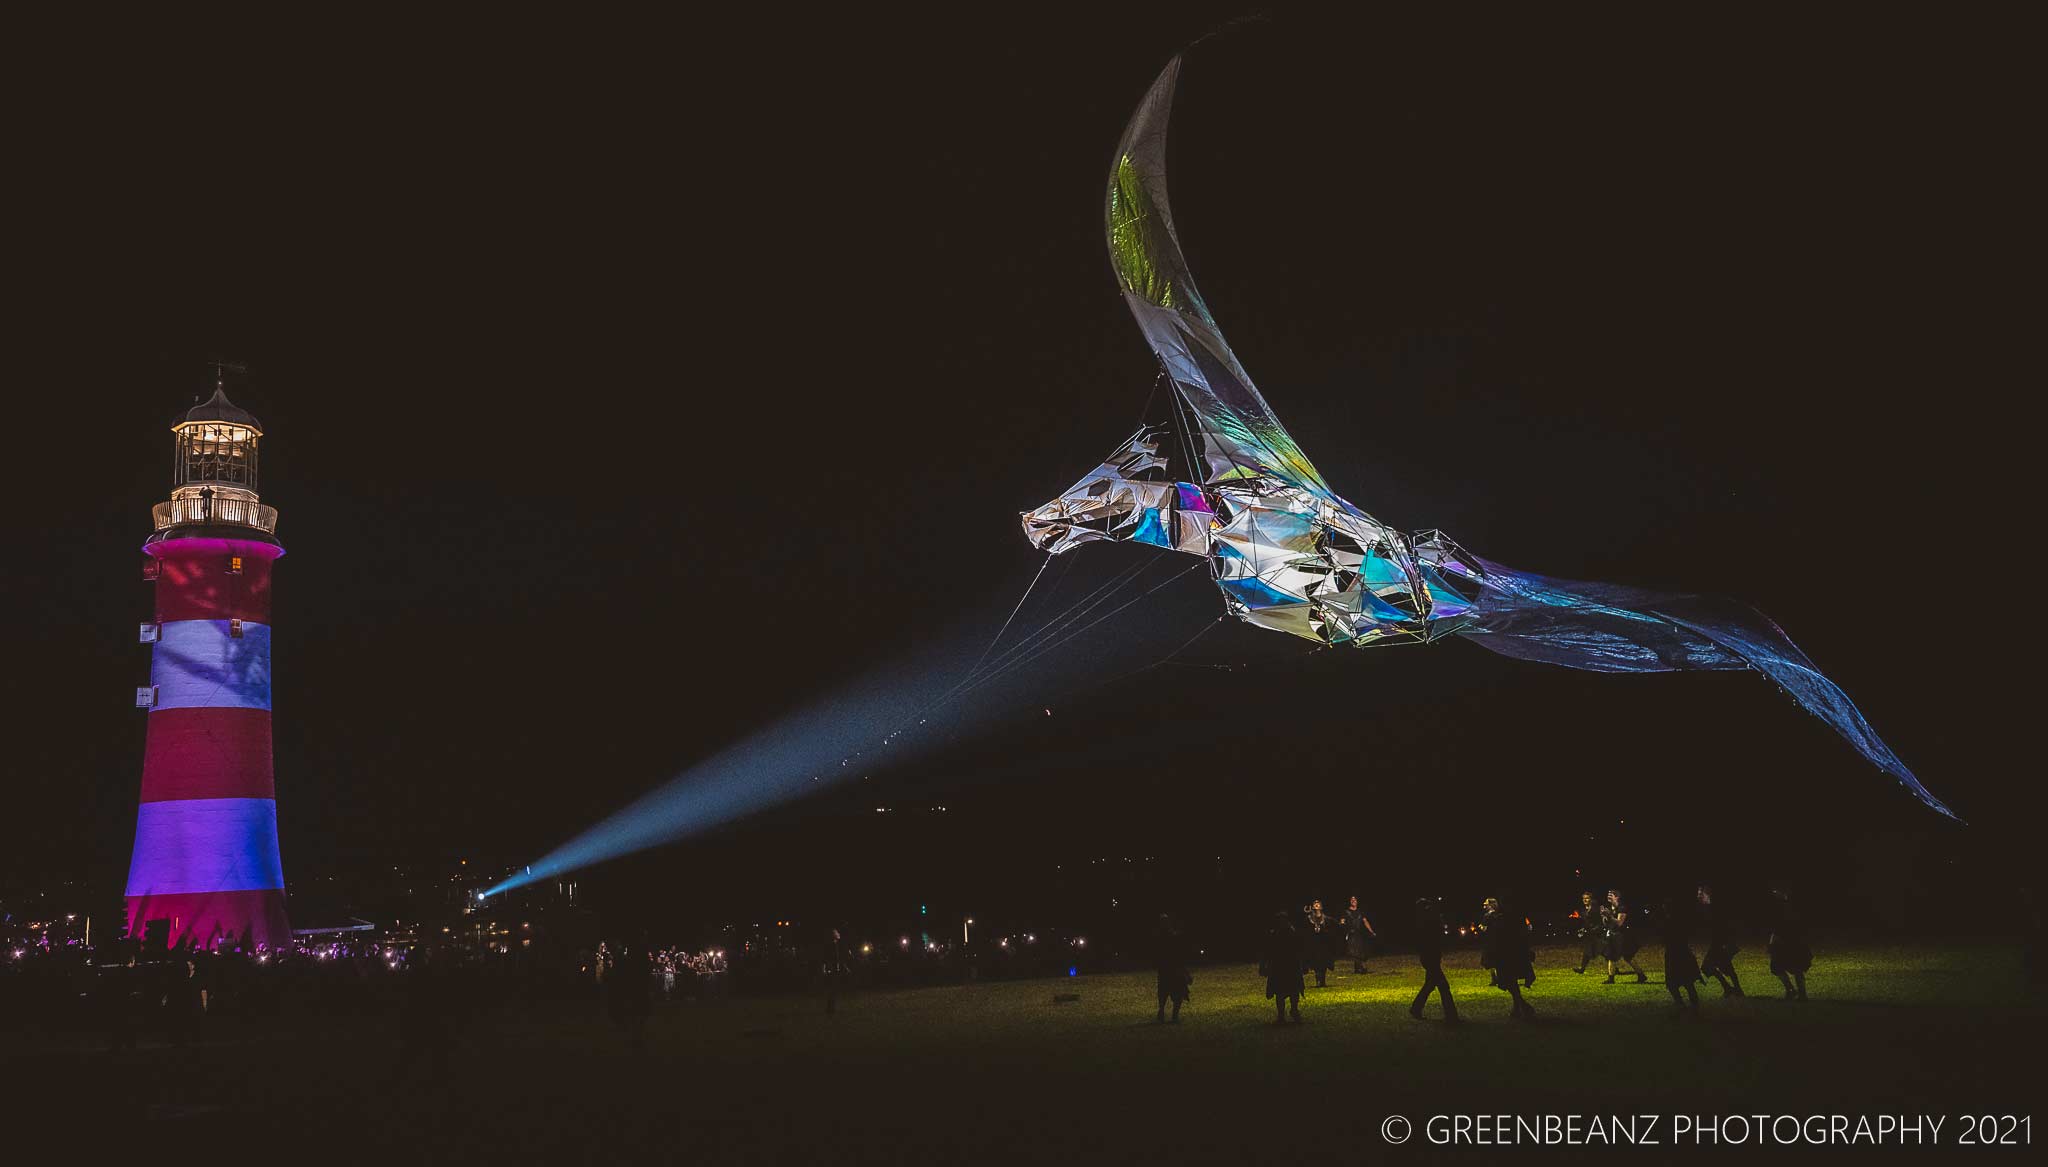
(206, 858)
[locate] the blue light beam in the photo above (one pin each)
(848, 736)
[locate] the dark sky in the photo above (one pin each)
(627, 388)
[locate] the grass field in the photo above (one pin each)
(999, 1073)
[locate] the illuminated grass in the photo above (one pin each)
(970, 1073)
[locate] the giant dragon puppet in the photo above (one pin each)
(1225, 481)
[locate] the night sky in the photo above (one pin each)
(627, 391)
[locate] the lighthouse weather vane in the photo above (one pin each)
(221, 369)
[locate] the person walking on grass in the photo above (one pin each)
(1791, 954)
(1505, 951)
(1170, 961)
(1429, 950)
(1681, 970)
(1720, 961)
(1618, 940)
(1321, 931)
(1282, 965)
(1358, 935)
(1589, 930)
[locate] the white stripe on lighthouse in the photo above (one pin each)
(201, 664)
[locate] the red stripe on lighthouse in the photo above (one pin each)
(208, 753)
(197, 579)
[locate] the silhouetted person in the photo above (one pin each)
(1170, 960)
(1506, 951)
(1617, 938)
(1282, 957)
(1720, 961)
(1429, 950)
(122, 995)
(185, 1000)
(831, 969)
(1358, 935)
(1320, 933)
(1681, 970)
(1589, 931)
(626, 990)
(1791, 954)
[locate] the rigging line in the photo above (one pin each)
(1080, 608)
(1190, 641)
(1075, 611)
(1066, 568)
(1040, 574)
(1083, 628)
(1319, 487)
(1162, 661)
(1145, 414)
(1051, 632)
(1084, 605)
(1165, 660)
(1197, 464)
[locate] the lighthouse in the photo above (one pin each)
(206, 858)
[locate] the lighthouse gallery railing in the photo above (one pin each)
(238, 512)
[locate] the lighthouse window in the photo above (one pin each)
(216, 453)
(234, 565)
(235, 629)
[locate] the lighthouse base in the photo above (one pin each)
(218, 919)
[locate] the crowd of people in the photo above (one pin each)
(1612, 933)
(1298, 952)
(670, 971)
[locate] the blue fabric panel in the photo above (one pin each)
(1609, 628)
(1152, 529)
(1254, 592)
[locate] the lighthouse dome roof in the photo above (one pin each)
(219, 409)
